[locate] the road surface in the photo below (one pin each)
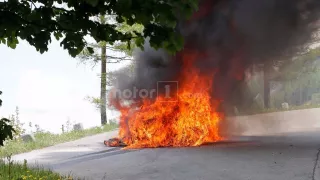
(292, 156)
(272, 146)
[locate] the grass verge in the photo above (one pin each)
(15, 171)
(46, 139)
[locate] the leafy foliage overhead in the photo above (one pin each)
(72, 20)
(6, 130)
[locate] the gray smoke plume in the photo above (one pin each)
(231, 36)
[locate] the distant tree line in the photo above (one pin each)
(295, 82)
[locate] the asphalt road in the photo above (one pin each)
(291, 156)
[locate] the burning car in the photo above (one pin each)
(222, 40)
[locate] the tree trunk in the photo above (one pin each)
(266, 87)
(300, 95)
(103, 93)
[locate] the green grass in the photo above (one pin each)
(15, 171)
(45, 139)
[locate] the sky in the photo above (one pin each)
(49, 88)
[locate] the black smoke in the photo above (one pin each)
(231, 35)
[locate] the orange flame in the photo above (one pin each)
(190, 119)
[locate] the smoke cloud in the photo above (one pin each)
(230, 36)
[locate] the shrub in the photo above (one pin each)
(6, 130)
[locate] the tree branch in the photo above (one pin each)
(95, 58)
(34, 4)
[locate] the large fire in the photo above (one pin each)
(189, 119)
(236, 36)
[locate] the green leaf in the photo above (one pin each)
(124, 4)
(179, 41)
(57, 35)
(172, 24)
(102, 43)
(12, 42)
(194, 4)
(139, 41)
(93, 3)
(3, 40)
